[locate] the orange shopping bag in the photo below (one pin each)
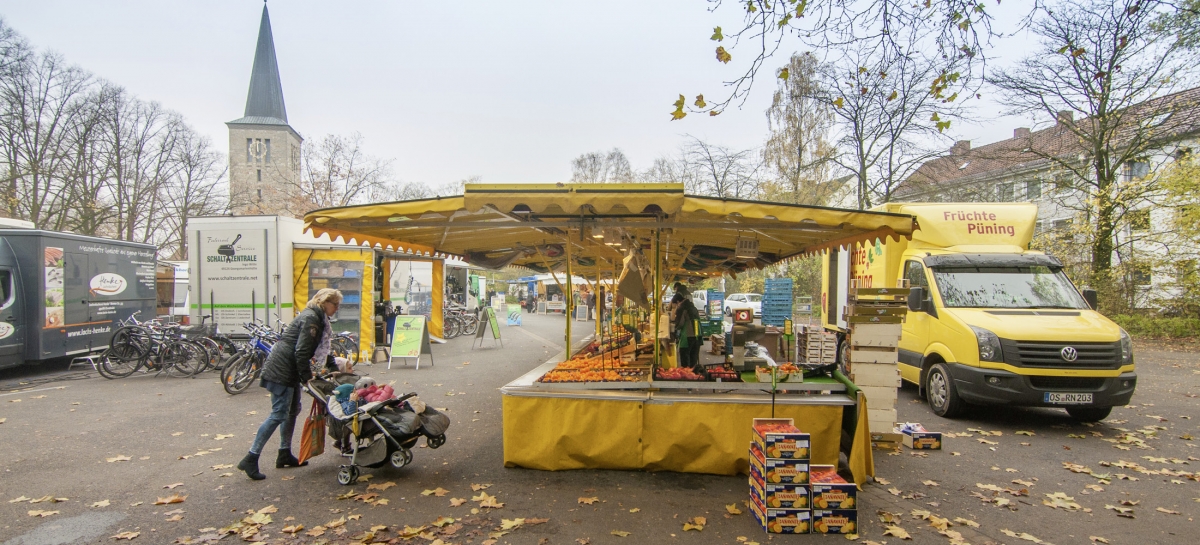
(312, 442)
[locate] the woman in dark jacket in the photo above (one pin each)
(306, 339)
(687, 323)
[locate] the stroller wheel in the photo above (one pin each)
(436, 441)
(401, 458)
(347, 475)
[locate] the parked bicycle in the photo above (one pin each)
(457, 320)
(153, 346)
(246, 365)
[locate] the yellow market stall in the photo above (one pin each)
(638, 237)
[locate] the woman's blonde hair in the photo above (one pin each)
(326, 295)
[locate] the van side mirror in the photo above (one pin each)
(1090, 296)
(916, 299)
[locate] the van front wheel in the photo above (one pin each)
(1089, 414)
(943, 396)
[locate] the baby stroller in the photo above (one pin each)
(379, 433)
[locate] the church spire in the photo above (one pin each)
(265, 99)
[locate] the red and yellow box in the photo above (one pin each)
(785, 496)
(834, 521)
(829, 490)
(780, 438)
(781, 521)
(777, 470)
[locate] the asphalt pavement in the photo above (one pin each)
(101, 453)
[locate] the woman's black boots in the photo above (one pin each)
(249, 464)
(286, 459)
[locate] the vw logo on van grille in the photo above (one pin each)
(1069, 353)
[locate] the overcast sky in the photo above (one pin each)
(509, 91)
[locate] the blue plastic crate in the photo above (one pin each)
(778, 281)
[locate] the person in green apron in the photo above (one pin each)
(687, 323)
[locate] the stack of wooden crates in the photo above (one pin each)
(816, 345)
(875, 317)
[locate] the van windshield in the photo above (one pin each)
(1006, 287)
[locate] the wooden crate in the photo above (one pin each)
(875, 374)
(873, 355)
(880, 397)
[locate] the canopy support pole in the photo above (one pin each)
(657, 295)
(570, 293)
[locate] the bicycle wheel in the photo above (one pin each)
(450, 327)
(180, 358)
(100, 365)
(240, 373)
(230, 367)
(129, 343)
(115, 367)
(472, 324)
(212, 353)
(228, 349)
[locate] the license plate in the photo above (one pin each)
(1068, 399)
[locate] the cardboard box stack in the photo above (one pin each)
(780, 497)
(875, 317)
(834, 501)
(815, 345)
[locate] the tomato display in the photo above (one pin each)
(677, 373)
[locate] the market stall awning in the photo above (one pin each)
(528, 225)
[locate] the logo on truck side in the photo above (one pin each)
(6, 330)
(107, 284)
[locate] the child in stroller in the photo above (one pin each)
(377, 433)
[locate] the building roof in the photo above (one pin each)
(264, 103)
(1028, 150)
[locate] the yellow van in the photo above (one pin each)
(990, 321)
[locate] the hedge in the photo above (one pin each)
(1170, 328)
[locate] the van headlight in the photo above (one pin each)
(1126, 347)
(989, 345)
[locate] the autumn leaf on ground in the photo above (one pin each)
(929, 483)
(990, 487)
(882, 481)
(443, 521)
(478, 487)
(491, 502)
(119, 458)
(176, 434)
(355, 516)
(589, 501)
(507, 524)
(986, 442)
(695, 523)
(381, 486)
(439, 492)
(40, 513)
(1121, 511)
(1022, 535)
(101, 503)
(127, 535)
(173, 485)
(1097, 539)
(292, 529)
(966, 522)
(222, 437)
(896, 531)
(336, 523)
(533, 521)
(620, 533)
(1026, 433)
(731, 508)
(455, 502)
(1167, 511)
(1061, 501)
(174, 498)
(316, 531)
(895, 491)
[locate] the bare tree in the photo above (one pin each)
(1107, 76)
(798, 155)
(337, 172)
(600, 167)
(42, 99)
(199, 188)
(719, 171)
(887, 118)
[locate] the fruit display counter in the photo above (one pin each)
(593, 412)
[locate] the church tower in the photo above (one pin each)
(264, 151)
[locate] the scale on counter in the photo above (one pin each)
(743, 348)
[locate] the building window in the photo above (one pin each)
(1033, 190)
(1038, 227)
(1134, 171)
(1062, 225)
(259, 174)
(1139, 220)
(249, 150)
(1141, 275)
(1004, 192)
(1062, 181)
(268, 142)
(260, 194)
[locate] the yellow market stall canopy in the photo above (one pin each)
(528, 225)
